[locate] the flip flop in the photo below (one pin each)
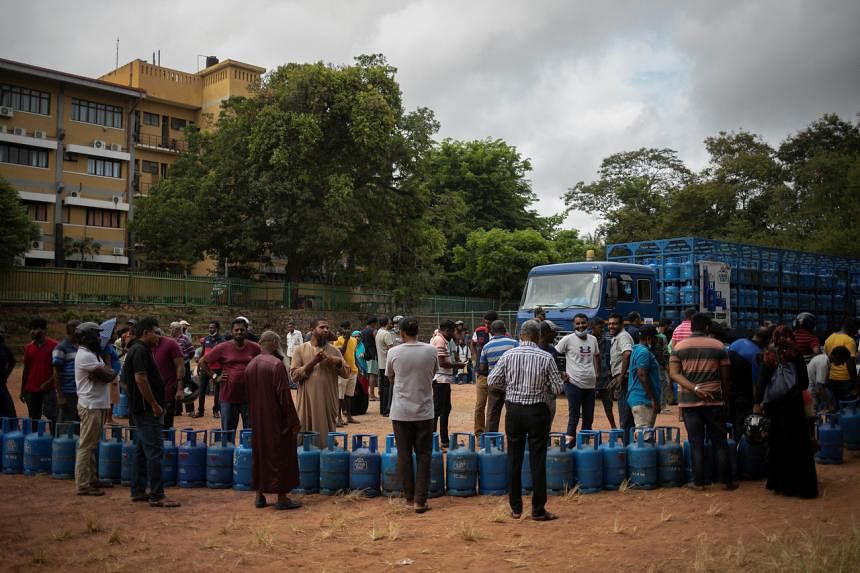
(516, 514)
(164, 503)
(289, 504)
(546, 516)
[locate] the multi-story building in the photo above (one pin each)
(79, 150)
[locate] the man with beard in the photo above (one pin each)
(276, 464)
(315, 367)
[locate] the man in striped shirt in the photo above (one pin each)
(493, 350)
(526, 375)
(700, 367)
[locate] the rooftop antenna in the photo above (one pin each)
(159, 58)
(117, 53)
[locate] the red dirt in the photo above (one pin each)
(45, 526)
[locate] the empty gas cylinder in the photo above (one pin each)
(642, 459)
(461, 465)
(364, 461)
(829, 440)
(110, 454)
(37, 449)
(169, 458)
(588, 461)
(849, 420)
(436, 487)
(670, 457)
(560, 474)
(243, 462)
(334, 464)
(492, 465)
(309, 464)
(219, 459)
(129, 456)
(64, 450)
(192, 458)
(613, 454)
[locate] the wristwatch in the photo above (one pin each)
(696, 388)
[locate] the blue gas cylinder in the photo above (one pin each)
(492, 464)
(219, 459)
(560, 474)
(129, 456)
(614, 457)
(13, 445)
(110, 454)
(671, 270)
(364, 461)
(642, 459)
(688, 270)
(334, 464)
(589, 462)
(830, 439)
(120, 409)
(709, 461)
(37, 449)
(689, 295)
(670, 457)
(461, 465)
(169, 458)
(752, 459)
(849, 419)
(243, 462)
(526, 482)
(192, 458)
(671, 294)
(437, 470)
(64, 451)
(390, 478)
(309, 464)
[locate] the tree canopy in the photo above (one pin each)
(17, 229)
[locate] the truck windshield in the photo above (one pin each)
(571, 290)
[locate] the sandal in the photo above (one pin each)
(289, 504)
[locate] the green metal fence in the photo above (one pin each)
(81, 286)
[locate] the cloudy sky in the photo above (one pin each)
(566, 82)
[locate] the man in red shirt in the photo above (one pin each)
(233, 355)
(171, 365)
(38, 382)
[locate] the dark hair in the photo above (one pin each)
(238, 321)
(38, 322)
(616, 316)
(700, 322)
(762, 335)
(491, 315)
(316, 321)
(545, 329)
(216, 323)
(144, 324)
(633, 316)
(580, 315)
(665, 322)
(383, 321)
(409, 326)
(717, 330)
(71, 326)
(690, 312)
(597, 320)
(446, 325)
(840, 354)
(345, 325)
(371, 320)
(498, 327)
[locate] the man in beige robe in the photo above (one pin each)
(315, 367)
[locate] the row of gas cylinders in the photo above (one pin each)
(838, 430)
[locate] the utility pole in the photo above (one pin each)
(116, 64)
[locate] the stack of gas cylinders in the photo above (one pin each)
(597, 460)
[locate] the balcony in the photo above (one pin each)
(159, 143)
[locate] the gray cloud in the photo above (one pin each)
(566, 83)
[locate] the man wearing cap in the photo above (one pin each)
(643, 384)
(249, 332)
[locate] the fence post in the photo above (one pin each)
(185, 287)
(65, 284)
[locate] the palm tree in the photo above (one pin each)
(84, 247)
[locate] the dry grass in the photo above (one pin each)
(332, 524)
(262, 538)
(701, 562)
(352, 496)
(617, 527)
(61, 534)
(715, 510)
(665, 516)
(625, 485)
(375, 533)
(91, 524)
(393, 531)
(38, 557)
(397, 506)
(115, 537)
(499, 514)
(231, 524)
(469, 532)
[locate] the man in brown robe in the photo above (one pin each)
(315, 367)
(276, 464)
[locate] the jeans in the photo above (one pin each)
(625, 416)
(532, 423)
(699, 421)
(441, 409)
(205, 382)
(384, 393)
(579, 398)
(149, 449)
(92, 422)
(39, 403)
(417, 436)
(480, 404)
(230, 416)
(7, 406)
(495, 402)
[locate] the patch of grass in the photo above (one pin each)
(351, 496)
(397, 506)
(572, 494)
(332, 523)
(91, 524)
(499, 514)
(715, 509)
(210, 544)
(617, 528)
(625, 485)
(262, 538)
(115, 537)
(61, 534)
(665, 516)
(469, 532)
(229, 526)
(703, 557)
(393, 531)
(38, 557)
(375, 533)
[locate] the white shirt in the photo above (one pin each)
(621, 343)
(294, 340)
(385, 339)
(92, 394)
(580, 354)
(818, 369)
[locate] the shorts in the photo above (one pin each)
(346, 386)
(372, 367)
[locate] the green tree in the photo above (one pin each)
(571, 247)
(81, 249)
(17, 230)
(495, 263)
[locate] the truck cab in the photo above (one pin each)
(594, 288)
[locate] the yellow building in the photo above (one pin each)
(79, 150)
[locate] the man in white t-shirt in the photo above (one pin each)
(294, 340)
(92, 381)
(410, 369)
(385, 340)
(582, 367)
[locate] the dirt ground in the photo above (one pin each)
(45, 526)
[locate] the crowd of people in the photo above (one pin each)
(782, 372)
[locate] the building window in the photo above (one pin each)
(98, 113)
(38, 212)
(149, 167)
(103, 218)
(67, 214)
(20, 155)
(151, 119)
(104, 167)
(25, 99)
(177, 123)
